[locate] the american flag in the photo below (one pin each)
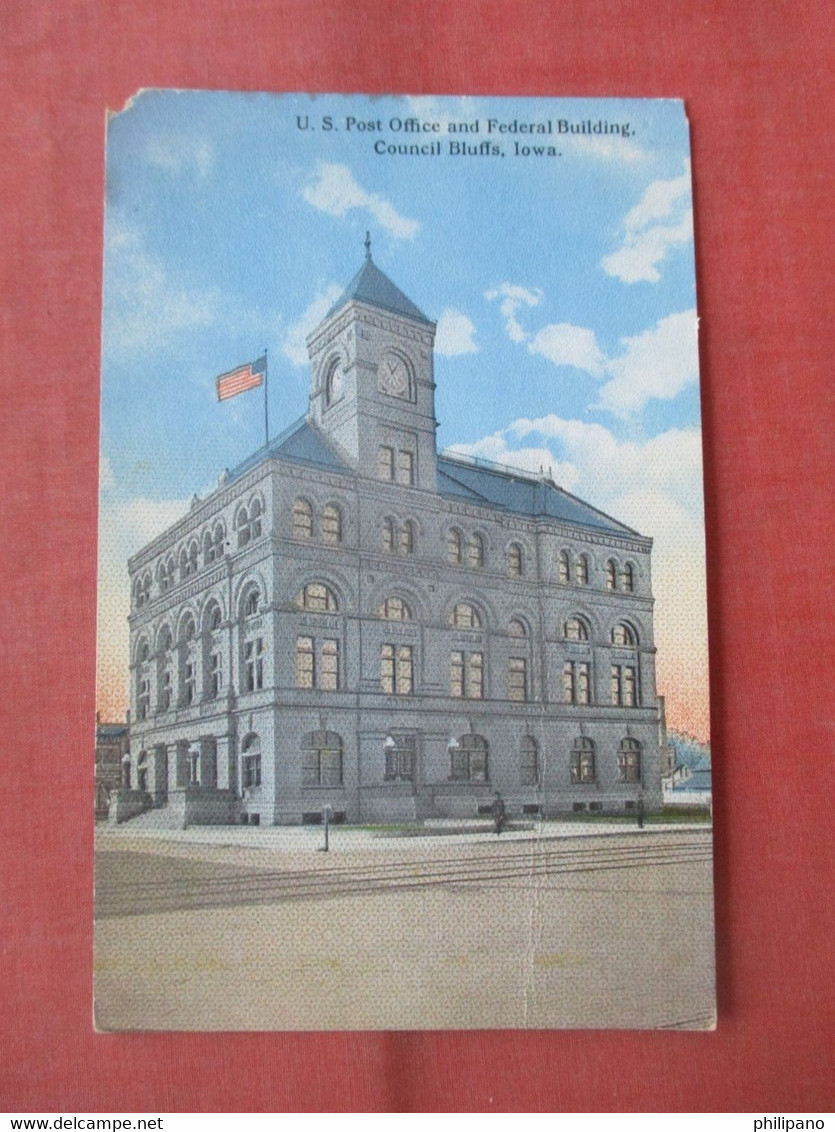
(236, 381)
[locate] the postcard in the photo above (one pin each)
(402, 696)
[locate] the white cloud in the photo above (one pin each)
(661, 220)
(513, 299)
(567, 345)
(659, 364)
(294, 345)
(144, 303)
(336, 192)
(178, 155)
(656, 364)
(455, 334)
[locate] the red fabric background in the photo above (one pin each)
(759, 88)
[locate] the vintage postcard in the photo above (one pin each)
(403, 692)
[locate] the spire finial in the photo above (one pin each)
(367, 245)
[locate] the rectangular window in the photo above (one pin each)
(456, 675)
(385, 462)
(467, 675)
(304, 662)
(475, 676)
(397, 670)
(407, 538)
(254, 665)
(387, 669)
(616, 684)
(583, 682)
(406, 468)
(629, 696)
(329, 666)
(517, 679)
(568, 682)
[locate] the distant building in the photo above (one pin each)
(112, 745)
(354, 620)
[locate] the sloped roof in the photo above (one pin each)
(301, 442)
(479, 483)
(516, 492)
(372, 286)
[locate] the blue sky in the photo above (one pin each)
(563, 287)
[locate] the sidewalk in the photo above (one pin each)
(347, 839)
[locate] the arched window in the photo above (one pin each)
(331, 524)
(529, 761)
(162, 578)
(192, 557)
(184, 564)
(146, 589)
(582, 761)
(394, 609)
(623, 636)
(316, 598)
(627, 579)
(517, 628)
(251, 762)
(389, 533)
(563, 568)
(465, 616)
(514, 560)
(629, 761)
(611, 575)
(215, 619)
(302, 519)
(468, 759)
(454, 549)
(581, 570)
(575, 629)
(322, 759)
(475, 552)
(407, 538)
(208, 548)
(252, 603)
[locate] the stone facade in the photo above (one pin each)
(355, 621)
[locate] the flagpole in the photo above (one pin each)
(266, 406)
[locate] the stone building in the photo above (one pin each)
(355, 620)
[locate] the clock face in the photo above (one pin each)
(393, 376)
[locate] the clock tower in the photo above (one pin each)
(372, 389)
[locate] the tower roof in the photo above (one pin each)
(372, 286)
